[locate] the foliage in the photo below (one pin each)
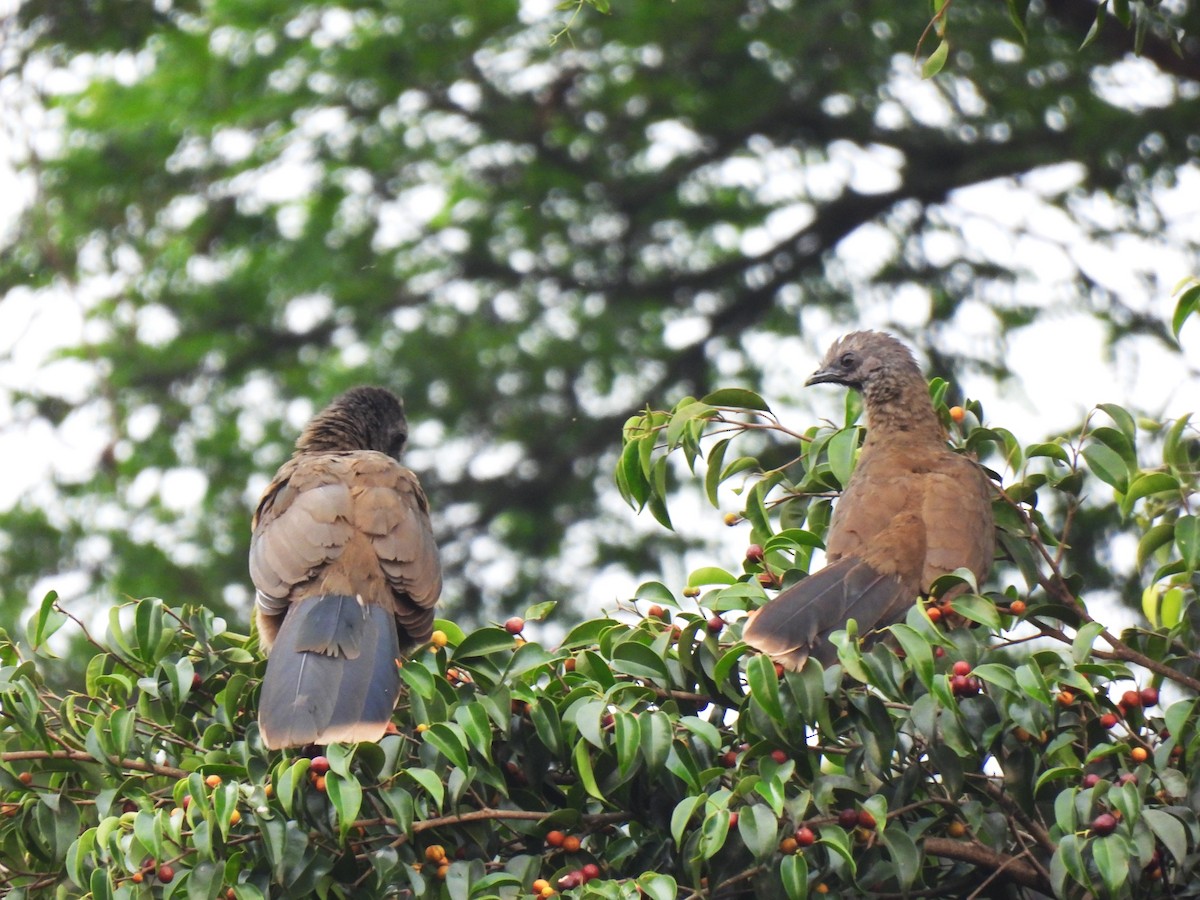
(255, 205)
(1000, 758)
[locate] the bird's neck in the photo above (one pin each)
(899, 409)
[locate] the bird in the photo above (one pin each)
(912, 510)
(346, 573)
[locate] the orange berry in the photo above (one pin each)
(539, 884)
(957, 413)
(443, 870)
(1017, 607)
(268, 790)
(213, 781)
(822, 888)
(137, 878)
(235, 817)
(435, 853)
(1139, 754)
(546, 892)
(1066, 698)
(956, 829)
(935, 614)
(571, 843)
(788, 845)
(569, 664)
(26, 777)
(319, 783)
(555, 838)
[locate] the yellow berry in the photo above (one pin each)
(439, 639)
(213, 781)
(235, 817)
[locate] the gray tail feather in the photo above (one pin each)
(797, 623)
(331, 675)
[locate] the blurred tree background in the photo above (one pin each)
(253, 206)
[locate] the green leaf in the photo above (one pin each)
(977, 609)
(1187, 304)
(451, 741)
(45, 622)
(759, 830)
(429, 780)
(540, 611)
(737, 398)
(583, 768)
(483, 642)
(658, 887)
(1146, 484)
(793, 871)
(656, 732)
(1169, 830)
(937, 59)
(1187, 538)
(346, 796)
(1111, 856)
(904, 853)
(682, 815)
(707, 575)
(841, 450)
(917, 650)
(1107, 465)
(764, 686)
(1155, 537)
(638, 660)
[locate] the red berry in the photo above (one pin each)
(1109, 720)
(715, 624)
(515, 625)
(865, 819)
(962, 667)
(129, 806)
(319, 765)
(1149, 696)
(733, 820)
(939, 652)
(165, 873)
(590, 871)
(1104, 824)
(805, 836)
(1090, 780)
(1127, 778)
(778, 670)
(779, 756)
(848, 818)
(196, 680)
(729, 759)
(754, 553)
(571, 880)
(1130, 699)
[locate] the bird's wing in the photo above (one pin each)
(390, 509)
(956, 510)
(302, 524)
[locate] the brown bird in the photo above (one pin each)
(913, 510)
(346, 571)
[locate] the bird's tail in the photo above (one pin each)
(797, 623)
(331, 675)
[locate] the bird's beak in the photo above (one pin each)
(823, 376)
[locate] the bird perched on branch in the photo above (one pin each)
(346, 571)
(913, 510)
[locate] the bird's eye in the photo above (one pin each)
(848, 360)
(396, 444)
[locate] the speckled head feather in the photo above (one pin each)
(887, 374)
(363, 418)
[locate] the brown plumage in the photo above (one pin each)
(913, 510)
(346, 571)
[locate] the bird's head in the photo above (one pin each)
(862, 358)
(363, 418)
